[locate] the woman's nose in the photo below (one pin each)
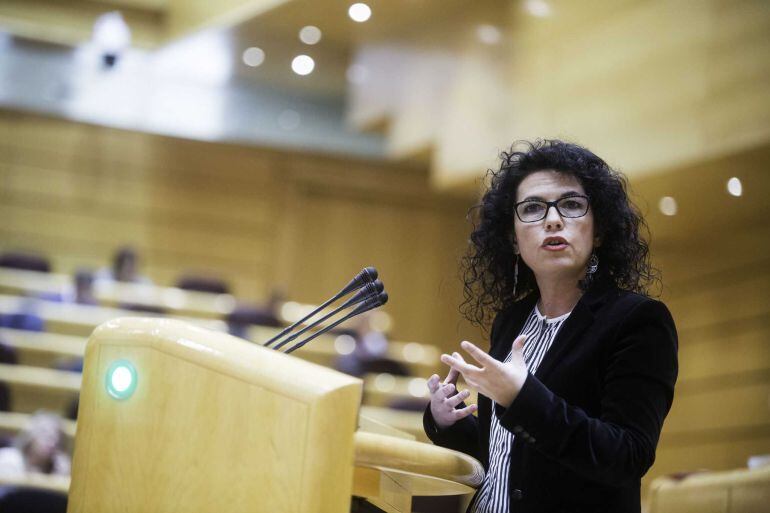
(553, 220)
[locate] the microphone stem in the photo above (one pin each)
(314, 324)
(308, 316)
(327, 328)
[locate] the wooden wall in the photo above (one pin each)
(690, 78)
(715, 256)
(258, 218)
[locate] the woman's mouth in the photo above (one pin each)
(555, 247)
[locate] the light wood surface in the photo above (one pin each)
(34, 388)
(606, 94)
(402, 420)
(260, 429)
(74, 319)
(110, 293)
(41, 349)
(732, 491)
(37, 480)
(77, 192)
(446, 470)
(263, 429)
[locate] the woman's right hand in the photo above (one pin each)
(444, 399)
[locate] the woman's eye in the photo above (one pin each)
(532, 208)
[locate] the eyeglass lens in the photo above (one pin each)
(530, 211)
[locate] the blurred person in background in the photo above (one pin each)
(39, 447)
(25, 318)
(125, 268)
(581, 370)
(81, 292)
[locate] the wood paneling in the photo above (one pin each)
(259, 218)
(714, 259)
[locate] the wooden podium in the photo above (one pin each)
(178, 418)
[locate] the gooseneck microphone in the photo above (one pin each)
(371, 303)
(367, 291)
(367, 275)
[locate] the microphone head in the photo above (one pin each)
(370, 291)
(367, 275)
(382, 298)
(371, 273)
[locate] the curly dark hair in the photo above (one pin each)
(488, 266)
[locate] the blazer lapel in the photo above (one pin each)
(567, 338)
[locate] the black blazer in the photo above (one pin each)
(588, 421)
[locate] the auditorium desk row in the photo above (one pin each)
(81, 320)
(109, 293)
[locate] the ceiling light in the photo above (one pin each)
(667, 205)
(488, 34)
(538, 8)
(359, 12)
(734, 186)
(253, 56)
(310, 35)
(303, 64)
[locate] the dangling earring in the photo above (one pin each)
(593, 264)
(515, 275)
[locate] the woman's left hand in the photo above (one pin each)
(499, 381)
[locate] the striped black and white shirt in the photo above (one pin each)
(493, 496)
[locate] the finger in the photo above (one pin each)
(445, 391)
(452, 376)
(518, 344)
(459, 365)
(457, 398)
(464, 412)
(458, 356)
(433, 383)
(477, 354)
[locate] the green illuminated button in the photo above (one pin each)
(121, 379)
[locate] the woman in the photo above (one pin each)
(582, 364)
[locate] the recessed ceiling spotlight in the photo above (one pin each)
(488, 34)
(359, 12)
(310, 35)
(303, 65)
(734, 186)
(538, 8)
(253, 56)
(667, 205)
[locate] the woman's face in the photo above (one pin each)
(567, 261)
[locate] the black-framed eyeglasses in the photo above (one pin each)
(530, 211)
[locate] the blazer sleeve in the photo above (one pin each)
(618, 447)
(461, 436)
